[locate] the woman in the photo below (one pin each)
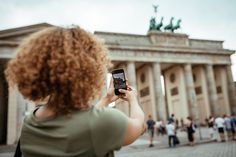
(150, 128)
(171, 132)
(66, 69)
(211, 126)
(190, 130)
(228, 126)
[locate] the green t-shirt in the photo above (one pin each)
(85, 133)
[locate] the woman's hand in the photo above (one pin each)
(108, 98)
(129, 95)
(110, 95)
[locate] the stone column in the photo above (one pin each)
(231, 90)
(159, 97)
(131, 74)
(12, 116)
(213, 98)
(191, 94)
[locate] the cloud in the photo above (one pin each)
(206, 19)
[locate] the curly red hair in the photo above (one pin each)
(68, 65)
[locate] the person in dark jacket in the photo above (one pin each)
(150, 128)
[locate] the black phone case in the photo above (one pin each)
(115, 72)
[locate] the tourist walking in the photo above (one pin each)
(160, 128)
(190, 130)
(157, 127)
(233, 127)
(171, 131)
(228, 126)
(211, 127)
(172, 117)
(220, 124)
(150, 129)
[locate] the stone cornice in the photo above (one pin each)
(168, 57)
(208, 40)
(23, 30)
(168, 34)
(161, 39)
(118, 34)
(170, 49)
(8, 43)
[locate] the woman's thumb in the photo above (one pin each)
(123, 91)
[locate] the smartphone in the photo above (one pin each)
(119, 81)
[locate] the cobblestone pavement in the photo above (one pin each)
(204, 147)
(216, 149)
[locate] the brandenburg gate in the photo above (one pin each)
(196, 74)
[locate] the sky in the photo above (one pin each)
(201, 19)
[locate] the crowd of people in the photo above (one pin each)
(224, 127)
(221, 124)
(170, 129)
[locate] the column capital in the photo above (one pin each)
(209, 66)
(188, 66)
(156, 63)
(130, 62)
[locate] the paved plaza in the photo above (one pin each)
(214, 149)
(204, 147)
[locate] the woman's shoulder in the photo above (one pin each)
(106, 112)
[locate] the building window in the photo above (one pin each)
(172, 78)
(219, 89)
(144, 92)
(194, 78)
(174, 91)
(142, 78)
(198, 90)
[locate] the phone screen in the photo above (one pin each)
(119, 80)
